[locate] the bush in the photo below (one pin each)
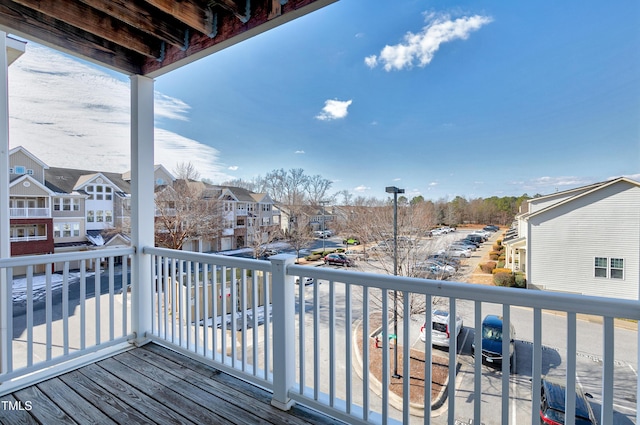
(520, 280)
(494, 255)
(501, 270)
(497, 247)
(499, 242)
(504, 279)
(488, 266)
(501, 257)
(313, 257)
(500, 264)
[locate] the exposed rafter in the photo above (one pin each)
(148, 37)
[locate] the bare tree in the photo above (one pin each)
(186, 171)
(317, 188)
(183, 213)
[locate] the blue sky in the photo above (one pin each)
(440, 98)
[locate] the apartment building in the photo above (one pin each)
(55, 209)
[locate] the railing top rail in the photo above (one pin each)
(217, 259)
(27, 260)
(583, 304)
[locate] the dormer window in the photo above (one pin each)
(20, 170)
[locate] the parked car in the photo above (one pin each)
(552, 404)
(492, 335)
(465, 245)
(432, 270)
(475, 238)
(445, 260)
(305, 280)
(491, 228)
(351, 241)
(322, 234)
(456, 251)
(269, 253)
(440, 331)
(485, 234)
(468, 242)
(338, 259)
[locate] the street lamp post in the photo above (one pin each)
(324, 236)
(395, 191)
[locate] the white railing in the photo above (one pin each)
(307, 347)
(51, 320)
(28, 238)
(29, 212)
(312, 344)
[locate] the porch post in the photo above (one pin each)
(283, 310)
(5, 244)
(142, 203)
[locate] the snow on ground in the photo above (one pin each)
(39, 285)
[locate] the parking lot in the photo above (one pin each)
(589, 361)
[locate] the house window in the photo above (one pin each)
(11, 171)
(99, 216)
(240, 222)
(66, 230)
(56, 230)
(20, 170)
(30, 172)
(609, 267)
(107, 216)
(617, 268)
(601, 267)
(90, 216)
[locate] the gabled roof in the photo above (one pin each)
(31, 180)
(587, 190)
(126, 176)
(29, 154)
(66, 180)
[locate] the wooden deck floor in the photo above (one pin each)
(149, 385)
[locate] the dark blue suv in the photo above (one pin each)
(492, 335)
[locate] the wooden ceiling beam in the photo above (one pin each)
(189, 12)
(232, 6)
(48, 31)
(137, 15)
(93, 21)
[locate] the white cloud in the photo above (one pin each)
(397, 179)
(233, 167)
(361, 188)
(334, 109)
(300, 152)
(421, 47)
(71, 114)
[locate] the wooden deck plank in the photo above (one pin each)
(44, 409)
(19, 416)
(200, 378)
(151, 384)
(74, 405)
(162, 393)
(149, 407)
(240, 388)
(226, 412)
(112, 406)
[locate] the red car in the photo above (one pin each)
(339, 259)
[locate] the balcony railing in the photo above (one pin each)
(28, 238)
(29, 212)
(314, 344)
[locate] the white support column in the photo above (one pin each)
(283, 310)
(5, 244)
(142, 203)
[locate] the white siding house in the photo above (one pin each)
(588, 243)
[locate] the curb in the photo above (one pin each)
(415, 409)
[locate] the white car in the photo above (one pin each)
(456, 251)
(306, 280)
(440, 332)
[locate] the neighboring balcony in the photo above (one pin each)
(328, 344)
(29, 212)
